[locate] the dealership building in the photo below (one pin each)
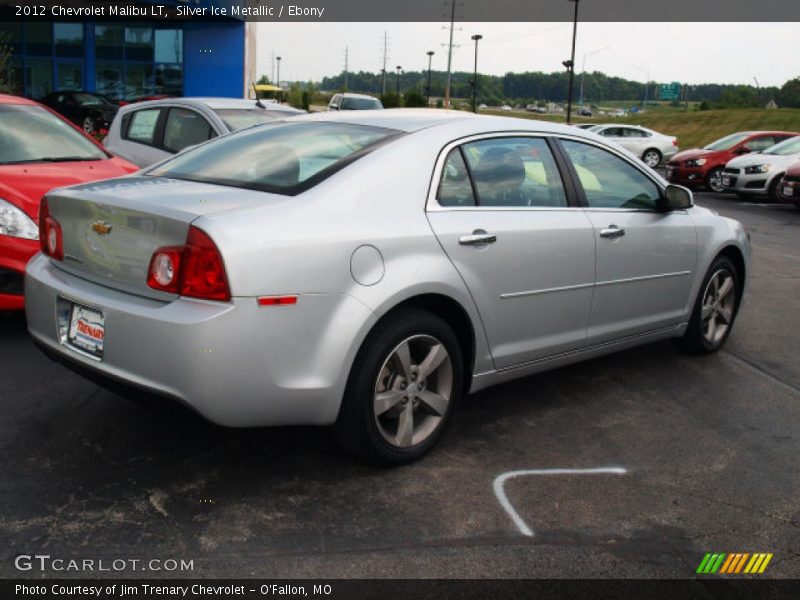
(133, 59)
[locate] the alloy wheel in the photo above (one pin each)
(719, 302)
(715, 181)
(413, 390)
(88, 125)
(652, 158)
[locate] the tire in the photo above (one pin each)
(772, 192)
(651, 157)
(88, 125)
(704, 336)
(382, 421)
(713, 181)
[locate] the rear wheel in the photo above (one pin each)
(714, 180)
(714, 310)
(652, 158)
(406, 379)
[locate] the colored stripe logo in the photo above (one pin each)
(734, 563)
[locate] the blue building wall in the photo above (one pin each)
(213, 57)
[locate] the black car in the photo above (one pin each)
(91, 112)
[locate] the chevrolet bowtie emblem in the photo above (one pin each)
(101, 227)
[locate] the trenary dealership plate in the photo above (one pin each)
(87, 329)
(787, 191)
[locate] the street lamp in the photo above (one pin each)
(278, 79)
(430, 57)
(583, 67)
(397, 82)
(570, 64)
(476, 38)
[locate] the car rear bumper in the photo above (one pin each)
(789, 192)
(238, 364)
(14, 255)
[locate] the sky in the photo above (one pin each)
(686, 52)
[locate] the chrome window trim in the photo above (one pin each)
(432, 203)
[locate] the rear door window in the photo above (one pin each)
(142, 126)
(185, 128)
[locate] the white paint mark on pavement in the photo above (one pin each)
(500, 482)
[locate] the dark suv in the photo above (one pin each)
(703, 166)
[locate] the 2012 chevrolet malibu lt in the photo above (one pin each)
(367, 269)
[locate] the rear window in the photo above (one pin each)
(239, 118)
(360, 103)
(284, 158)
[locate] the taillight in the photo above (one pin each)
(51, 239)
(195, 269)
(675, 142)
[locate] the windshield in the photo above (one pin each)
(728, 142)
(284, 158)
(90, 100)
(790, 146)
(360, 103)
(33, 134)
(239, 118)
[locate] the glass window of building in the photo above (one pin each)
(39, 77)
(39, 38)
(109, 81)
(139, 43)
(138, 80)
(109, 41)
(169, 46)
(69, 39)
(70, 76)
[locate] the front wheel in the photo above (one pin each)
(714, 180)
(88, 125)
(714, 310)
(652, 158)
(406, 379)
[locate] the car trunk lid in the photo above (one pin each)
(111, 229)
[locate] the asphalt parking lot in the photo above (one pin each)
(705, 451)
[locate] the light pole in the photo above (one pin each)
(397, 83)
(430, 58)
(477, 37)
(570, 64)
(583, 66)
(383, 82)
(278, 79)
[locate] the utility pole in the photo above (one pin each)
(272, 75)
(450, 53)
(476, 38)
(385, 54)
(399, 67)
(278, 81)
(430, 57)
(346, 50)
(570, 64)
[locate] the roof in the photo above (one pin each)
(213, 104)
(352, 95)
(416, 119)
(266, 87)
(6, 99)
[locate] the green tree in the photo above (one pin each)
(789, 94)
(414, 99)
(390, 100)
(5, 63)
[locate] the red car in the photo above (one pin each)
(39, 151)
(703, 166)
(789, 187)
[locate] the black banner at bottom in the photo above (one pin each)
(402, 589)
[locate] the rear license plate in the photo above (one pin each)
(87, 330)
(787, 191)
(726, 181)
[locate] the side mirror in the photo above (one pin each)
(743, 150)
(677, 197)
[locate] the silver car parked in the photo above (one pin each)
(366, 270)
(148, 132)
(651, 146)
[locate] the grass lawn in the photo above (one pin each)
(694, 128)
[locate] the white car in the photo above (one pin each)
(505, 108)
(651, 146)
(759, 173)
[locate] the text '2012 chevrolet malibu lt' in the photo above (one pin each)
(365, 270)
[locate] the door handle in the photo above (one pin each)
(476, 238)
(612, 231)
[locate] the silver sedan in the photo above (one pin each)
(365, 270)
(651, 146)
